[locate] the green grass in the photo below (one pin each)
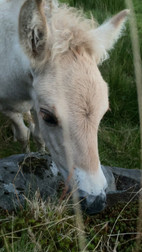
(7, 145)
(52, 227)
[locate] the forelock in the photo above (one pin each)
(70, 30)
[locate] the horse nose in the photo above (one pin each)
(92, 204)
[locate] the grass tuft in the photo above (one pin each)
(52, 227)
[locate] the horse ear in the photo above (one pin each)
(107, 34)
(33, 29)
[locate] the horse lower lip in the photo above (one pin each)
(94, 208)
(92, 204)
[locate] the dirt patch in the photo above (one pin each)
(125, 183)
(126, 190)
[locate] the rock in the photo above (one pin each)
(128, 184)
(22, 175)
(110, 178)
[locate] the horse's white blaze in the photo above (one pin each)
(94, 184)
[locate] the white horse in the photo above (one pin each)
(48, 62)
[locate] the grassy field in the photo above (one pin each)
(52, 227)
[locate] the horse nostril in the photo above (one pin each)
(92, 204)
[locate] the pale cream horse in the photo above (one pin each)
(48, 62)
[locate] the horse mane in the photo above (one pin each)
(70, 29)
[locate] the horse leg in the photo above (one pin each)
(36, 133)
(14, 133)
(21, 132)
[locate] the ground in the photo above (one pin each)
(53, 227)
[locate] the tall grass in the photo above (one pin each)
(138, 74)
(111, 5)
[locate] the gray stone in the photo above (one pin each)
(110, 178)
(22, 175)
(128, 185)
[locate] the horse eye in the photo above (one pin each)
(48, 117)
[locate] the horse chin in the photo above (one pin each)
(91, 188)
(92, 204)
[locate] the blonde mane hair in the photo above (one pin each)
(70, 29)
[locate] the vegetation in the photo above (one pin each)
(52, 227)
